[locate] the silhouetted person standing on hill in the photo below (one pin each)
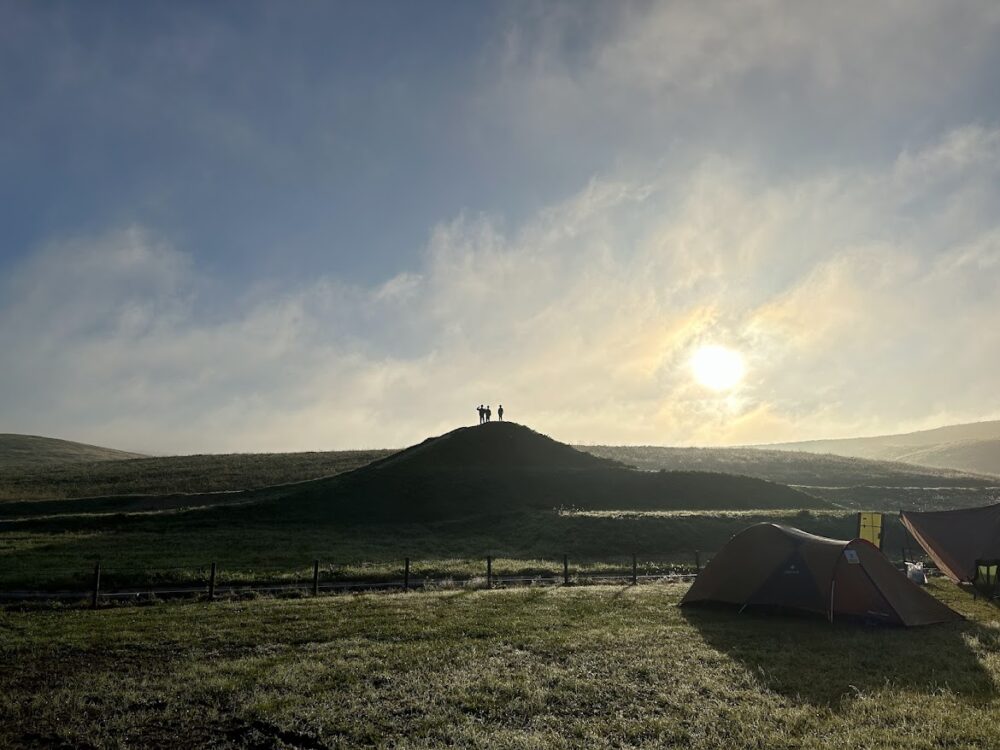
(482, 413)
(500, 413)
(488, 412)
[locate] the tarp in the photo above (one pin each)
(955, 539)
(767, 565)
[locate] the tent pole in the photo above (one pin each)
(903, 547)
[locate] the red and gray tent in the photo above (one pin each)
(773, 566)
(955, 539)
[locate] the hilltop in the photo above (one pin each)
(34, 450)
(502, 467)
(972, 447)
(501, 445)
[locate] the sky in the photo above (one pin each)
(241, 226)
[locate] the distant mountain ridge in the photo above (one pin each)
(23, 450)
(790, 467)
(972, 447)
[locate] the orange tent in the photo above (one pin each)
(767, 565)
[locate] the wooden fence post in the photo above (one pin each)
(96, 593)
(489, 571)
(635, 571)
(565, 570)
(211, 584)
(697, 561)
(315, 577)
(406, 574)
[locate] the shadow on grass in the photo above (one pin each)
(810, 659)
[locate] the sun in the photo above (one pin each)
(717, 367)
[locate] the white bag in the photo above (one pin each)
(915, 572)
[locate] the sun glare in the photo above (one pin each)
(717, 367)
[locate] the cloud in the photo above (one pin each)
(856, 311)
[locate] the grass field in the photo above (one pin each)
(178, 547)
(586, 667)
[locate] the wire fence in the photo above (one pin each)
(214, 581)
(211, 581)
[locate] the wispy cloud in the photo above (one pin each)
(852, 314)
(598, 189)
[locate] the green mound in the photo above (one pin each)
(492, 445)
(504, 467)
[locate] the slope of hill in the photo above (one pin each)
(166, 475)
(503, 467)
(789, 467)
(966, 447)
(33, 450)
(502, 445)
(966, 455)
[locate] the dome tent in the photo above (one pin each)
(767, 565)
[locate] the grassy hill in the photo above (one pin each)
(967, 455)
(966, 447)
(32, 450)
(175, 474)
(475, 491)
(503, 467)
(790, 467)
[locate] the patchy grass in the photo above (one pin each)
(179, 547)
(786, 514)
(563, 668)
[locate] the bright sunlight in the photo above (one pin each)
(717, 367)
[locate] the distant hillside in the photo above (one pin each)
(789, 467)
(971, 455)
(28, 450)
(502, 467)
(971, 447)
(166, 475)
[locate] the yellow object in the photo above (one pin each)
(870, 527)
(986, 573)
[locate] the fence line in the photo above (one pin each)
(212, 588)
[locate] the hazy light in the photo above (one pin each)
(717, 367)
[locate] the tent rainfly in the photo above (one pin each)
(955, 539)
(767, 565)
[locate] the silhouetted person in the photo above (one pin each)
(500, 413)
(488, 413)
(482, 413)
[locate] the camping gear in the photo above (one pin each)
(915, 572)
(767, 565)
(985, 579)
(956, 539)
(870, 527)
